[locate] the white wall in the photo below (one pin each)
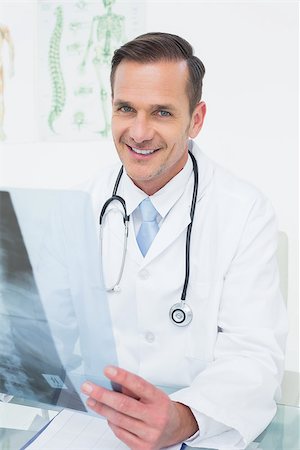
(250, 50)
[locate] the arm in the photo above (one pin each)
(240, 386)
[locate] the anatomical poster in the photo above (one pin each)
(76, 43)
(55, 64)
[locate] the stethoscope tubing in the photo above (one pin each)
(181, 309)
(189, 228)
(116, 286)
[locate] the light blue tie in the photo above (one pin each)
(149, 227)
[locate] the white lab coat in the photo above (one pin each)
(228, 363)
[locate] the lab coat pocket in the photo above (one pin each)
(202, 332)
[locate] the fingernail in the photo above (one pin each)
(111, 371)
(87, 388)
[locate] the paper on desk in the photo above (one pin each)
(70, 430)
(17, 416)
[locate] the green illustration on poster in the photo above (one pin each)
(107, 32)
(79, 119)
(76, 44)
(5, 39)
(58, 83)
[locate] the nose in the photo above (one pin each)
(141, 129)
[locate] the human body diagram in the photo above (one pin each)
(106, 33)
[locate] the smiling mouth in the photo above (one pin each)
(140, 151)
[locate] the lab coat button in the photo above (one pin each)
(150, 337)
(144, 274)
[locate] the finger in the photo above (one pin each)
(115, 400)
(132, 425)
(132, 441)
(131, 394)
(139, 387)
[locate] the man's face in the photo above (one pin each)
(151, 120)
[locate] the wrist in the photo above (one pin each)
(188, 425)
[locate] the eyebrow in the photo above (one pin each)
(119, 103)
(167, 106)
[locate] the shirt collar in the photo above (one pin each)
(164, 199)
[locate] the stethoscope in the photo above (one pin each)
(180, 313)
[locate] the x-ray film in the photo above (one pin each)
(54, 318)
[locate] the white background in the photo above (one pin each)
(250, 50)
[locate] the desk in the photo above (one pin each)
(281, 434)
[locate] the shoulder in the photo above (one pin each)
(224, 185)
(236, 211)
(230, 200)
(101, 184)
(99, 188)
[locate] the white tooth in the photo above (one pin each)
(142, 152)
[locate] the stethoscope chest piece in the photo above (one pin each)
(181, 314)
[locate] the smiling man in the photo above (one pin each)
(213, 241)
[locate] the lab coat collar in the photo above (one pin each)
(206, 169)
(132, 195)
(164, 199)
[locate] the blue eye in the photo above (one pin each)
(126, 109)
(163, 113)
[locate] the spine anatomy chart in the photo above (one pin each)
(58, 83)
(76, 42)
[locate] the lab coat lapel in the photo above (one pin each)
(174, 224)
(179, 216)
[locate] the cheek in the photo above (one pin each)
(176, 140)
(169, 134)
(117, 126)
(121, 132)
(114, 126)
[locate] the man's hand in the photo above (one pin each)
(142, 416)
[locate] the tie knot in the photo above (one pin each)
(148, 211)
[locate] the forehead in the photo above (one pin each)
(157, 82)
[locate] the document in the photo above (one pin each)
(71, 430)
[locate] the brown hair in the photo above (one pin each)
(153, 47)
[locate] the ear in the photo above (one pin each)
(197, 119)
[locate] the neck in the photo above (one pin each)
(152, 186)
